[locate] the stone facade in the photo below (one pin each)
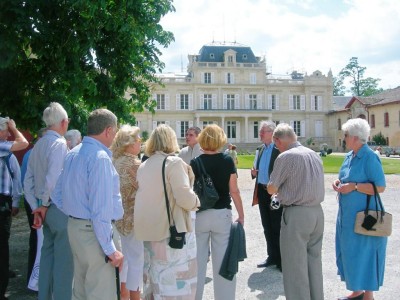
(228, 85)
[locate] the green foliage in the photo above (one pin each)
(145, 136)
(338, 88)
(379, 139)
(332, 163)
(360, 86)
(84, 54)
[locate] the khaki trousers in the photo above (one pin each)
(94, 279)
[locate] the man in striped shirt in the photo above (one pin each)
(298, 177)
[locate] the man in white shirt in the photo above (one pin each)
(192, 149)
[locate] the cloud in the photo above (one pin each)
(293, 35)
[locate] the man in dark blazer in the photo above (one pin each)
(270, 219)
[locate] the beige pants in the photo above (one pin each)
(93, 277)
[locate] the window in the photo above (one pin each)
(255, 130)
(297, 127)
(244, 56)
(372, 121)
(253, 101)
(207, 77)
(212, 55)
(160, 101)
(207, 101)
(160, 122)
(315, 104)
(296, 103)
(339, 124)
(386, 119)
(184, 128)
(184, 101)
(231, 129)
(230, 58)
(253, 78)
(273, 102)
(230, 102)
(229, 78)
(276, 122)
(205, 123)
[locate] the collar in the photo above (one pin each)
(363, 150)
(294, 145)
(52, 132)
(93, 141)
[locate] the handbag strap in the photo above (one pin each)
(200, 166)
(378, 202)
(166, 194)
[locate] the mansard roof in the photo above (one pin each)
(214, 52)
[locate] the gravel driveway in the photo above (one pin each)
(254, 283)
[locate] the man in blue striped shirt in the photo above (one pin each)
(88, 191)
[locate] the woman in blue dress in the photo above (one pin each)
(360, 259)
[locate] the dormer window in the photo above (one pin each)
(212, 55)
(230, 58)
(244, 56)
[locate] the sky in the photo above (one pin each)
(301, 35)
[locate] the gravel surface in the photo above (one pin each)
(253, 283)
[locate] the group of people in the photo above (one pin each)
(103, 210)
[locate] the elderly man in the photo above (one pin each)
(10, 192)
(73, 138)
(44, 167)
(298, 178)
(88, 191)
(270, 219)
(192, 149)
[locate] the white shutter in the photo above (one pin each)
(202, 77)
(259, 101)
(166, 101)
(214, 101)
(291, 123)
(190, 101)
(282, 121)
(178, 101)
(201, 96)
(190, 124)
(237, 101)
(224, 105)
(303, 102)
(246, 101)
(155, 100)
(212, 77)
(277, 102)
(167, 123)
(232, 78)
(154, 125)
(302, 128)
(320, 103)
(226, 78)
(312, 103)
(269, 105)
(178, 129)
(290, 102)
(238, 131)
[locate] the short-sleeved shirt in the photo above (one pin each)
(299, 176)
(220, 167)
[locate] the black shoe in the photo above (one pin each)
(268, 262)
(279, 266)
(359, 297)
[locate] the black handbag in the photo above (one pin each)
(177, 239)
(204, 187)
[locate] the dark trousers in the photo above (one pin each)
(5, 226)
(32, 241)
(271, 222)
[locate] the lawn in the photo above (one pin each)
(332, 163)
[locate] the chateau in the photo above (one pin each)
(226, 84)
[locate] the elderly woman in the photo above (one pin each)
(215, 223)
(125, 148)
(169, 273)
(360, 258)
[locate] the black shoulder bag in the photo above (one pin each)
(204, 187)
(177, 239)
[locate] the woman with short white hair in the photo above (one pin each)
(360, 258)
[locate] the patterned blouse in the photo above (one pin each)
(127, 166)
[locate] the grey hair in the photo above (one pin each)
(99, 120)
(269, 124)
(4, 123)
(284, 131)
(74, 137)
(357, 127)
(54, 114)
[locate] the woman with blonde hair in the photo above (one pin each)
(125, 148)
(215, 224)
(169, 273)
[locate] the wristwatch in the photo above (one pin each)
(356, 188)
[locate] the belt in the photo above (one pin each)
(75, 218)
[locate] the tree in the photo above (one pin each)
(379, 139)
(338, 87)
(361, 87)
(84, 54)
